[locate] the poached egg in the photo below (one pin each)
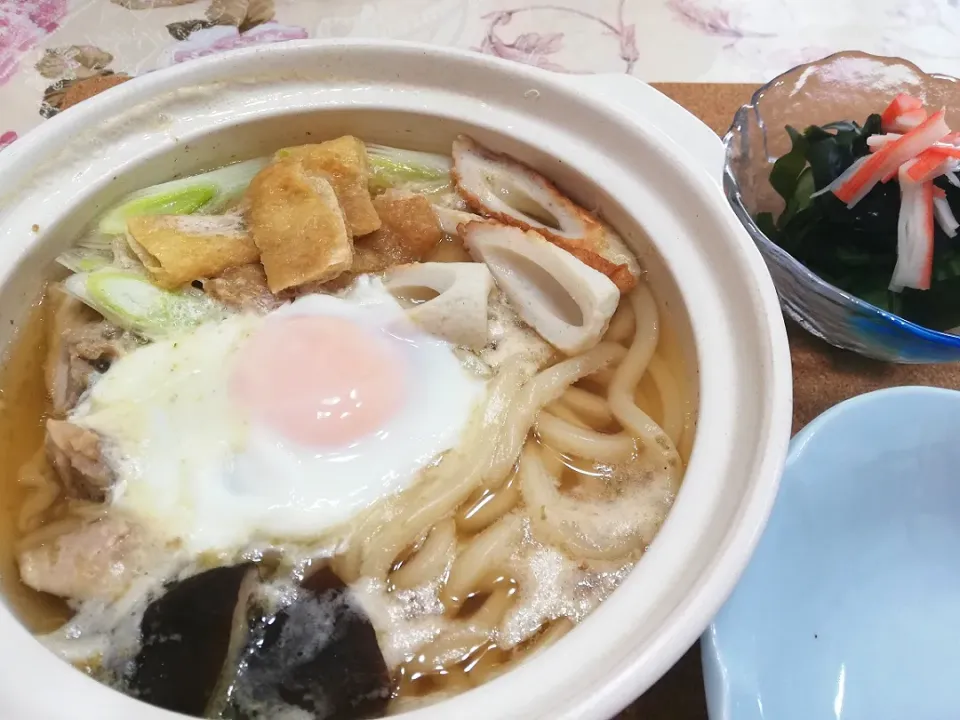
(278, 427)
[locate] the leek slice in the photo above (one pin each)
(209, 192)
(84, 259)
(411, 170)
(133, 303)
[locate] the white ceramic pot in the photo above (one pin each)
(614, 144)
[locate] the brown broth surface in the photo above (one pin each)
(24, 407)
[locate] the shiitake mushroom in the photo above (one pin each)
(207, 652)
(190, 639)
(319, 654)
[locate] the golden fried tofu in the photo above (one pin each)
(344, 163)
(410, 231)
(297, 223)
(177, 249)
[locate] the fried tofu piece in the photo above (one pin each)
(243, 288)
(177, 249)
(297, 224)
(345, 165)
(410, 232)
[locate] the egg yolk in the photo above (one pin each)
(319, 381)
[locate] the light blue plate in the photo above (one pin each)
(850, 607)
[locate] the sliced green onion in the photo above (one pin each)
(209, 192)
(82, 259)
(408, 170)
(133, 303)
(95, 240)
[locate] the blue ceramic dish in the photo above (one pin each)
(844, 86)
(850, 607)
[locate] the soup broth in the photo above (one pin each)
(485, 534)
(25, 407)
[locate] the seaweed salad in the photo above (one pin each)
(869, 208)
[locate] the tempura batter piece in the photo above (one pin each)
(410, 231)
(178, 249)
(345, 165)
(297, 223)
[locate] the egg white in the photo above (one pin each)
(194, 467)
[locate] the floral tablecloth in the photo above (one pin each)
(54, 53)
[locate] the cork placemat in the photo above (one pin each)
(822, 377)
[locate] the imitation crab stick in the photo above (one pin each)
(890, 157)
(914, 234)
(901, 104)
(945, 217)
(948, 154)
(907, 121)
(945, 150)
(930, 164)
(890, 175)
(946, 146)
(847, 174)
(875, 142)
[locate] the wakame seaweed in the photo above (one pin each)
(856, 249)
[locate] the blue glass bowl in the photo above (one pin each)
(849, 85)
